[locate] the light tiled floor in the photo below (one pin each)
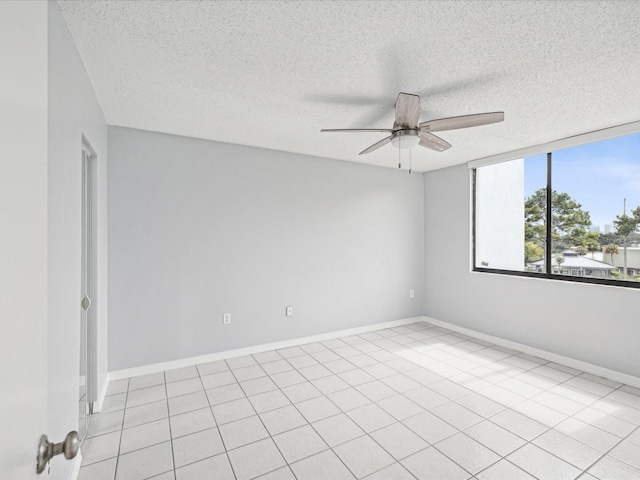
(402, 403)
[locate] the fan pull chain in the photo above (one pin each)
(409, 161)
(399, 150)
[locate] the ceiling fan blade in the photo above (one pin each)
(407, 110)
(356, 130)
(433, 142)
(377, 145)
(465, 121)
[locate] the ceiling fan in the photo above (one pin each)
(407, 133)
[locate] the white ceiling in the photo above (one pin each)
(272, 74)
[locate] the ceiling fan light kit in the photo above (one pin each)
(407, 133)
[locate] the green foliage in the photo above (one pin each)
(616, 274)
(611, 249)
(532, 252)
(569, 222)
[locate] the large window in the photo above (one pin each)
(572, 213)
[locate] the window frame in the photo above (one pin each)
(548, 274)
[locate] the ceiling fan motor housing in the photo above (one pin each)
(406, 138)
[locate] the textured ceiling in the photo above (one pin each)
(272, 74)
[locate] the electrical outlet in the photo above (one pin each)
(226, 318)
(289, 311)
(412, 293)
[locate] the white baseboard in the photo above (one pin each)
(536, 352)
(239, 352)
(76, 466)
(97, 405)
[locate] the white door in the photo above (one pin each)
(23, 236)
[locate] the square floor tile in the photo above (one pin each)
(610, 468)
(183, 387)
(456, 415)
(285, 379)
(282, 419)
(224, 394)
(100, 448)
(302, 361)
(426, 398)
(102, 423)
(146, 413)
(628, 452)
(494, 437)
(322, 466)
(363, 456)
(299, 443)
(181, 374)
(348, 399)
(370, 417)
(217, 467)
(301, 392)
(256, 459)
(519, 424)
(219, 379)
(339, 366)
(330, 384)
(146, 395)
(232, 411)
(399, 441)
(264, 402)
(118, 386)
(542, 464)
(144, 381)
(105, 470)
(144, 435)
(608, 423)
(587, 434)
(145, 463)
(430, 464)
(258, 385)
(185, 403)
(249, 373)
(197, 446)
(466, 452)
(394, 471)
(191, 422)
(505, 470)
(338, 429)
(266, 357)
(356, 377)
(314, 372)
(400, 383)
(114, 402)
(480, 405)
(283, 473)
(317, 408)
(400, 407)
(570, 450)
(290, 352)
(241, 432)
(379, 370)
(241, 362)
(376, 390)
(212, 367)
(278, 366)
(429, 427)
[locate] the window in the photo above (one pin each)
(570, 213)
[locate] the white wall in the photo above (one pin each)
(73, 112)
(23, 235)
(199, 228)
(500, 211)
(593, 323)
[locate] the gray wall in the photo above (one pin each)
(593, 323)
(199, 228)
(73, 111)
